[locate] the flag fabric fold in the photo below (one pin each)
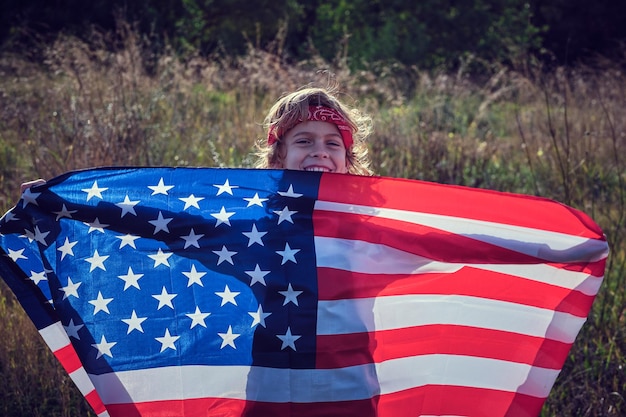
(239, 292)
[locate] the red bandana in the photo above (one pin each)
(320, 114)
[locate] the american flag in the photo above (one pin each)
(233, 292)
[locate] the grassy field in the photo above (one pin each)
(560, 135)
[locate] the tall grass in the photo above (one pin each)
(560, 135)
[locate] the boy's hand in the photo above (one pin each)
(27, 185)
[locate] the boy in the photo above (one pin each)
(310, 130)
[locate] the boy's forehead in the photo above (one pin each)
(314, 126)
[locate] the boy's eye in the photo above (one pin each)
(333, 143)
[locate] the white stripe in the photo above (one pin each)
(315, 385)
(465, 371)
(402, 311)
(370, 258)
(82, 381)
(55, 336)
(551, 246)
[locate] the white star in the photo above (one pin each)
(197, 318)
(288, 254)
(96, 261)
(226, 188)
(222, 217)
(161, 188)
(194, 277)
(127, 206)
(258, 317)
(16, 254)
(29, 235)
(9, 216)
(66, 248)
(70, 289)
(289, 340)
(29, 197)
(37, 277)
(134, 322)
(285, 214)
(192, 239)
(225, 255)
(130, 279)
(227, 296)
(96, 225)
(161, 258)
(290, 193)
(228, 338)
(254, 236)
(127, 240)
(165, 299)
(40, 236)
(104, 347)
(167, 341)
(255, 201)
(257, 275)
(64, 213)
(191, 201)
(160, 224)
(72, 329)
(94, 191)
(290, 295)
(100, 304)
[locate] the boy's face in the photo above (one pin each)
(315, 146)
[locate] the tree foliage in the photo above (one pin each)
(426, 33)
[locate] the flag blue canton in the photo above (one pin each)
(176, 268)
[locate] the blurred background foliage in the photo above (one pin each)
(426, 33)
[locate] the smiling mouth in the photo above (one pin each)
(317, 169)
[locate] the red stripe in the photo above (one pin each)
(595, 269)
(431, 243)
(338, 351)
(335, 284)
(221, 407)
(426, 400)
(68, 357)
(462, 401)
(187, 408)
(448, 200)
(95, 402)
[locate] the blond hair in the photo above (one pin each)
(293, 108)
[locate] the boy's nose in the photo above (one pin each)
(319, 151)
